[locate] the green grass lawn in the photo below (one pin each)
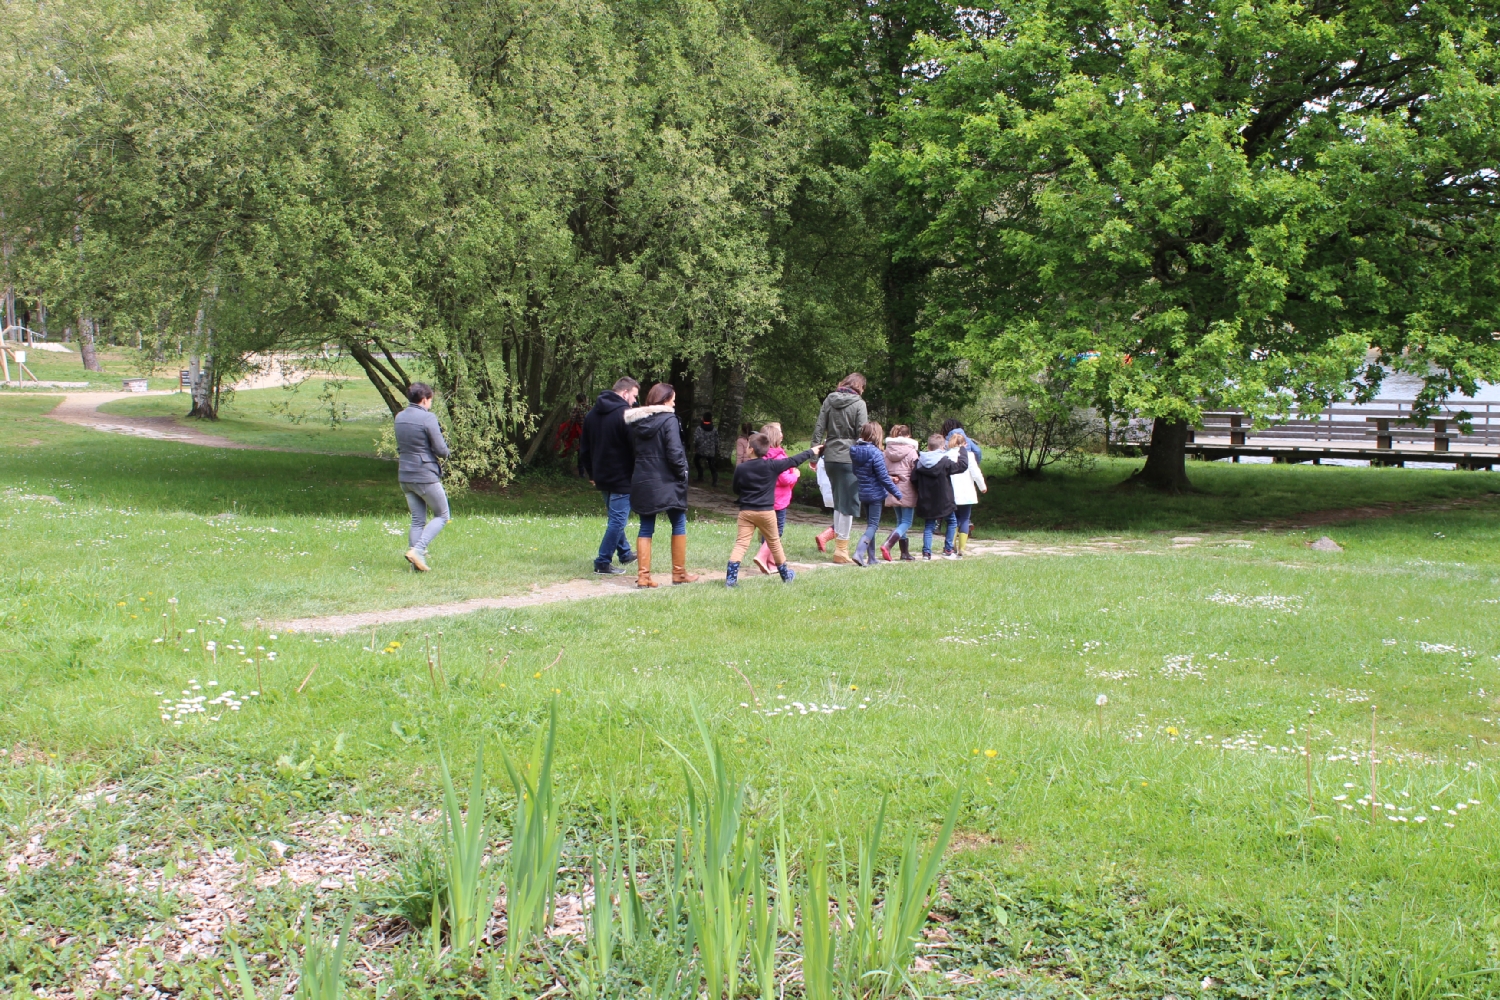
(1161, 843)
(333, 416)
(118, 364)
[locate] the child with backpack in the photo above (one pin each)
(967, 486)
(933, 479)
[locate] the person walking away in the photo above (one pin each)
(900, 458)
(933, 479)
(967, 486)
(875, 486)
(742, 449)
(659, 482)
(842, 415)
(419, 445)
(606, 458)
(755, 484)
(785, 483)
(950, 425)
(820, 470)
(706, 447)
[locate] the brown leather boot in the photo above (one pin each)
(841, 552)
(679, 561)
(643, 558)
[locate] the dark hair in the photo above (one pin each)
(624, 384)
(708, 416)
(760, 444)
(418, 391)
(873, 433)
(660, 393)
(950, 425)
(580, 398)
(855, 381)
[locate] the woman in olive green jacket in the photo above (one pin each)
(839, 421)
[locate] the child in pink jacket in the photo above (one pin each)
(784, 484)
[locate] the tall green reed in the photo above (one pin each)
(817, 932)
(535, 847)
(470, 892)
(879, 941)
(722, 865)
(320, 977)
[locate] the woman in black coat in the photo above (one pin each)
(659, 484)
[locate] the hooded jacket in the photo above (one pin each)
(660, 479)
(900, 459)
(933, 479)
(604, 453)
(839, 421)
(875, 485)
(786, 481)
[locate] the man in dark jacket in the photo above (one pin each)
(606, 457)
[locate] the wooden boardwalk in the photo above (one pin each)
(1382, 432)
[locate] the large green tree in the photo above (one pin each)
(1167, 207)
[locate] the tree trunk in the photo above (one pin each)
(204, 396)
(203, 373)
(377, 377)
(734, 408)
(703, 387)
(86, 350)
(1166, 462)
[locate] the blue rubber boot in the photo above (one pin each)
(787, 576)
(732, 575)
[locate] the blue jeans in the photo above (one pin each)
(965, 515)
(617, 507)
(872, 522)
(429, 512)
(677, 517)
(932, 523)
(904, 517)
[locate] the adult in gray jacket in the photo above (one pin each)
(839, 422)
(419, 443)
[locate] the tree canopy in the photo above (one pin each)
(1168, 207)
(1153, 209)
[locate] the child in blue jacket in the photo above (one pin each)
(875, 484)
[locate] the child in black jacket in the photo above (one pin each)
(755, 483)
(935, 492)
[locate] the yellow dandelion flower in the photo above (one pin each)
(992, 753)
(976, 750)
(536, 675)
(1171, 730)
(853, 687)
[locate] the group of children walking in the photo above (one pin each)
(634, 455)
(867, 473)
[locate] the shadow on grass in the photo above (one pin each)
(1225, 495)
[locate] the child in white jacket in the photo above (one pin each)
(965, 485)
